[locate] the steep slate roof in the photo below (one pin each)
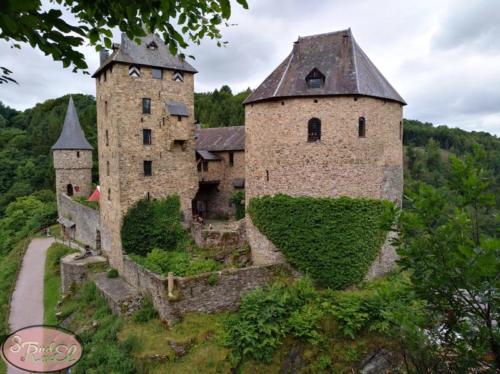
(72, 136)
(347, 70)
(130, 52)
(221, 139)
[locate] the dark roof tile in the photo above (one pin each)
(221, 139)
(347, 71)
(72, 136)
(130, 52)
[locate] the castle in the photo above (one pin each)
(325, 122)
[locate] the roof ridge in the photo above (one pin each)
(354, 56)
(324, 34)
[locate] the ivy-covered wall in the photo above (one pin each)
(333, 240)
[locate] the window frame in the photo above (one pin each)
(314, 130)
(147, 137)
(362, 127)
(147, 166)
(160, 70)
(146, 105)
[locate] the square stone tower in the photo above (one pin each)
(145, 123)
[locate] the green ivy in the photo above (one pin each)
(334, 241)
(153, 223)
(238, 199)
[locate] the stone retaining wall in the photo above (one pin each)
(86, 220)
(76, 270)
(207, 293)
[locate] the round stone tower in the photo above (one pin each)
(73, 157)
(325, 123)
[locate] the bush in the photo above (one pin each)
(237, 198)
(112, 273)
(332, 240)
(146, 312)
(153, 223)
(267, 315)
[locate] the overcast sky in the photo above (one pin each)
(442, 56)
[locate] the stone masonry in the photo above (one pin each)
(73, 167)
(279, 159)
(120, 122)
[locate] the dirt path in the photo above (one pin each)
(27, 300)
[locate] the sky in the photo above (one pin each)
(442, 56)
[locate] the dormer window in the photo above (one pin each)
(315, 79)
(152, 46)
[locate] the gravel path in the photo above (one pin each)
(27, 300)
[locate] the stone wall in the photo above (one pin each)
(86, 219)
(75, 168)
(207, 293)
(222, 236)
(279, 159)
(120, 122)
(386, 259)
(217, 199)
(76, 270)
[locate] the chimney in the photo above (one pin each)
(296, 48)
(103, 55)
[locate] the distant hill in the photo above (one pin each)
(26, 137)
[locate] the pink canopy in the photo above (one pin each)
(95, 195)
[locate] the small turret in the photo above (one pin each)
(73, 157)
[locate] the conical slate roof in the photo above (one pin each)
(130, 52)
(72, 136)
(347, 70)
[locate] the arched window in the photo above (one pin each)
(69, 190)
(361, 127)
(314, 130)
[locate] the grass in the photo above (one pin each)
(52, 280)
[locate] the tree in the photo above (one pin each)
(176, 21)
(454, 266)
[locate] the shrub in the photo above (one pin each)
(237, 199)
(266, 316)
(112, 273)
(203, 265)
(332, 240)
(153, 223)
(146, 312)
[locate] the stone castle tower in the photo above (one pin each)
(145, 123)
(73, 157)
(324, 123)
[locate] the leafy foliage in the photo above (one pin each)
(332, 240)
(267, 315)
(152, 224)
(25, 141)
(238, 199)
(181, 263)
(177, 22)
(146, 312)
(454, 262)
(220, 108)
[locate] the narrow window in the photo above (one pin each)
(179, 118)
(198, 166)
(107, 137)
(267, 175)
(107, 168)
(78, 154)
(146, 106)
(146, 136)
(109, 193)
(148, 196)
(401, 130)
(231, 159)
(69, 190)
(106, 108)
(361, 127)
(148, 168)
(104, 76)
(205, 165)
(314, 130)
(157, 73)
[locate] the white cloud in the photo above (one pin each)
(441, 55)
